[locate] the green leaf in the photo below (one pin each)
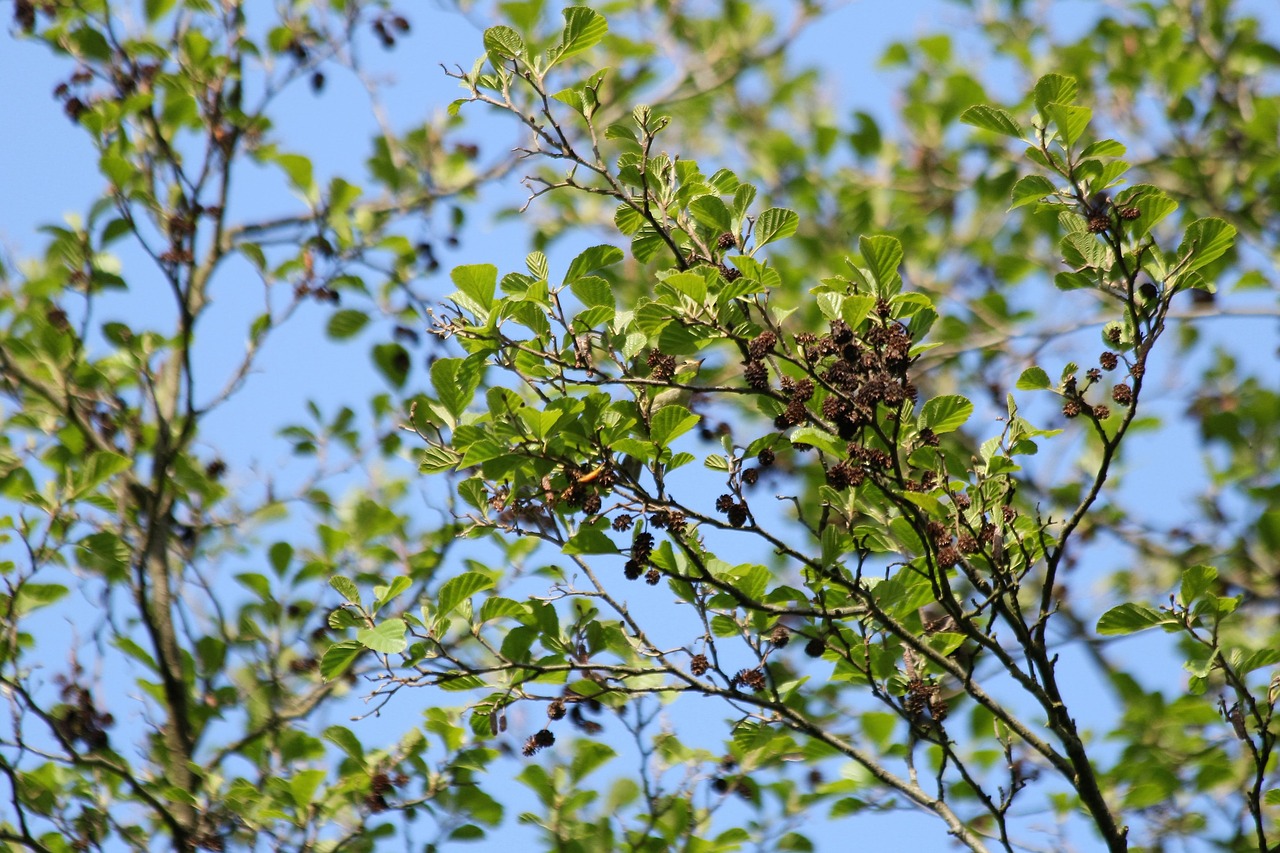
(993, 119)
(1129, 618)
(386, 594)
(821, 439)
(592, 259)
(1103, 148)
(279, 556)
(1071, 121)
(1033, 379)
(1054, 88)
(583, 28)
(587, 756)
(455, 590)
(884, 256)
(338, 657)
(590, 540)
(33, 596)
(393, 362)
(776, 223)
(298, 169)
(455, 381)
(671, 422)
(346, 589)
(946, 414)
(346, 323)
(712, 212)
(101, 466)
(503, 41)
(1196, 581)
(1031, 189)
(303, 785)
(385, 638)
(479, 281)
(1206, 240)
(498, 608)
(344, 739)
(157, 9)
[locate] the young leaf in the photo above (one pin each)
(1196, 581)
(1071, 121)
(1129, 618)
(583, 28)
(1054, 88)
(1033, 379)
(946, 414)
(479, 281)
(993, 119)
(776, 223)
(1206, 240)
(1031, 189)
(883, 255)
(454, 590)
(338, 657)
(348, 590)
(671, 422)
(385, 638)
(504, 42)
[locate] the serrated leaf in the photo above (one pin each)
(1196, 581)
(671, 422)
(824, 441)
(1103, 148)
(1070, 120)
(883, 256)
(711, 212)
(338, 657)
(583, 28)
(776, 223)
(592, 259)
(454, 381)
(503, 41)
(346, 323)
(454, 590)
(1033, 379)
(946, 414)
(1129, 618)
(993, 119)
(499, 608)
(1054, 88)
(479, 281)
(385, 638)
(398, 585)
(346, 588)
(1030, 189)
(716, 462)
(1206, 240)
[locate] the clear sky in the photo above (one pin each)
(47, 169)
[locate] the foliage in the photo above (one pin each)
(860, 403)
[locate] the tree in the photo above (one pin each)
(859, 404)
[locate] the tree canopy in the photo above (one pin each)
(802, 470)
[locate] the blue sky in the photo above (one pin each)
(47, 169)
